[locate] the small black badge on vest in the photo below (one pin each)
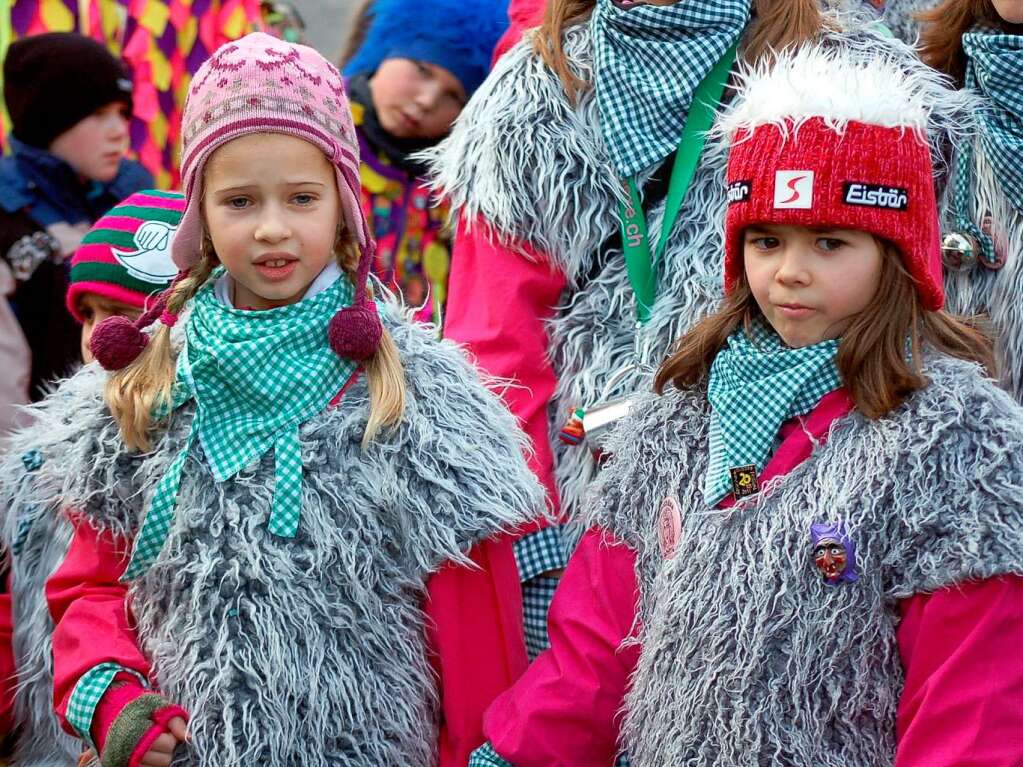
(744, 481)
(739, 191)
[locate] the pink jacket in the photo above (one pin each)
(962, 702)
(475, 641)
(499, 299)
(7, 668)
(523, 14)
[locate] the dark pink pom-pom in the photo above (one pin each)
(355, 331)
(117, 342)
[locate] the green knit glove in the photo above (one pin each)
(130, 726)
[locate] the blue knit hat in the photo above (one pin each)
(458, 35)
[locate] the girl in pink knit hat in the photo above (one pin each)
(276, 464)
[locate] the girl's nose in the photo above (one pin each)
(117, 126)
(428, 96)
(272, 227)
(792, 270)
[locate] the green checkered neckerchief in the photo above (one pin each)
(648, 61)
(757, 384)
(995, 69)
(256, 376)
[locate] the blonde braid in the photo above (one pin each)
(385, 375)
(133, 391)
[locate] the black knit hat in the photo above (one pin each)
(52, 81)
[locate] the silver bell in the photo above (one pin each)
(958, 252)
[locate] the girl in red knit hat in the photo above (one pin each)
(807, 548)
(266, 481)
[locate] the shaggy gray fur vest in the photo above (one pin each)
(309, 651)
(41, 741)
(748, 657)
(900, 17)
(534, 166)
(995, 293)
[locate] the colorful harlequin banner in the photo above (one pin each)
(163, 42)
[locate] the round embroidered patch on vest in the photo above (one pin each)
(669, 526)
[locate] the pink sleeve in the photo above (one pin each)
(474, 635)
(962, 703)
(499, 300)
(564, 708)
(7, 667)
(90, 614)
(523, 15)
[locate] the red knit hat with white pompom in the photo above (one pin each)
(833, 138)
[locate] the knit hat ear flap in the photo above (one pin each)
(355, 331)
(117, 341)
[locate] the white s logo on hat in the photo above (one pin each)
(793, 189)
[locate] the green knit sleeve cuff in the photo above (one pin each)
(134, 721)
(486, 756)
(86, 695)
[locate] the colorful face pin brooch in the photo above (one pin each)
(834, 553)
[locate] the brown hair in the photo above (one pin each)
(872, 353)
(942, 31)
(777, 24)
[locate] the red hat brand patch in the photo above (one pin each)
(875, 196)
(739, 191)
(793, 189)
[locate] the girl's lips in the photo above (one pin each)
(409, 123)
(794, 311)
(276, 273)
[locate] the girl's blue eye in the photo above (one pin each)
(238, 203)
(304, 199)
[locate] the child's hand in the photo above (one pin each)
(162, 750)
(68, 236)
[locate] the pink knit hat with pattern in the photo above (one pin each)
(260, 84)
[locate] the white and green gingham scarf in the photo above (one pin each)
(995, 69)
(256, 376)
(757, 384)
(648, 60)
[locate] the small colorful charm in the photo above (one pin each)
(669, 526)
(995, 259)
(572, 432)
(32, 460)
(834, 553)
(744, 481)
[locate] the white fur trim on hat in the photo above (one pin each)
(839, 84)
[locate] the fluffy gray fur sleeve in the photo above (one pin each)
(64, 432)
(662, 436)
(458, 456)
(951, 463)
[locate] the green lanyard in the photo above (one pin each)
(639, 262)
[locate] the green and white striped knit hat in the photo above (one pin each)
(126, 256)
